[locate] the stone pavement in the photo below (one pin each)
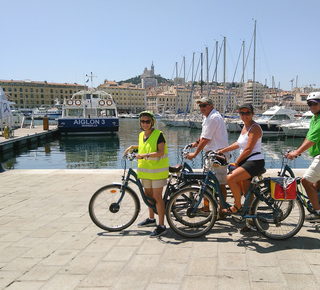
(47, 241)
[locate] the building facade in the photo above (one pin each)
(253, 93)
(32, 94)
(128, 97)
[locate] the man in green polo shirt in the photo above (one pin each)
(311, 178)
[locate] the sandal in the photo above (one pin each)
(232, 210)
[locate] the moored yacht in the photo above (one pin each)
(299, 128)
(272, 120)
(89, 112)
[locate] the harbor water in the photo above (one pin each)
(85, 152)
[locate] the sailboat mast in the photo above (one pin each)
(224, 70)
(201, 81)
(216, 77)
(207, 55)
(254, 63)
(243, 68)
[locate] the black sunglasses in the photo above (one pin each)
(248, 113)
(310, 104)
(145, 121)
(203, 105)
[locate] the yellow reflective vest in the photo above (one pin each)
(152, 168)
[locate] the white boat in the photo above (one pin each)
(44, 111)
(8, 115)
(272, 120)
(89, 112)
(233, 124)
(195, 121)
(299, 128)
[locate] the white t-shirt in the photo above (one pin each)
(214, 129)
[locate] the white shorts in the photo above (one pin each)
(313, 172)
(221, 174)
(148, 183)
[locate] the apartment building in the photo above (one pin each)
(32, 94)
(253, 93)
(128, 97)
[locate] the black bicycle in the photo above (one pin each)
(116, 206)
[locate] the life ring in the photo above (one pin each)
(109, 102)
(8, 98)
(101, 103)
(69, 102)
(77, 102)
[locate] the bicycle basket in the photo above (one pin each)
(214, 160)
(283, 188)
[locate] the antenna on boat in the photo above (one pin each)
(91, 76)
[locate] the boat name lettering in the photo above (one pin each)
(88, 122)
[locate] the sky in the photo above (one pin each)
(63, 41)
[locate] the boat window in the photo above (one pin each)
(111, 113)
(95, 96)
(266, 117)
(88, 96)
(280, 117)
(74, 113)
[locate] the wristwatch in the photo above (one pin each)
(147, 155)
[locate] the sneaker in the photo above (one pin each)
(147, 223)
(159, 231)
(312, 217)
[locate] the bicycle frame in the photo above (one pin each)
(131, 176)
(211, 181)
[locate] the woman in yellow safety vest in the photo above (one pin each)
(153, 168)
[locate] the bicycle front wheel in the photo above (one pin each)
(109, 213)
(280, 219)
(187, 221)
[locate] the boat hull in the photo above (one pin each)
(86, 126)
(296, 131)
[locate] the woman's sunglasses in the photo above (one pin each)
(248, 113)
(145, 121)
(310, 104)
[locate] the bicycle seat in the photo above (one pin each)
(175, 168)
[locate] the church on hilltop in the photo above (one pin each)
(148, 77)
(149, 73)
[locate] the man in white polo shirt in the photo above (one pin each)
(214, 136)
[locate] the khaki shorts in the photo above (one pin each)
(313, 172)
(221, 174)
(147, 183)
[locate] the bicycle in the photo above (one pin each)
(266, 213)
(286, 171)
(116, 206)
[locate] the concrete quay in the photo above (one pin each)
(26, 137)
(48, 241)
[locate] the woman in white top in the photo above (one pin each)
(250, 162)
